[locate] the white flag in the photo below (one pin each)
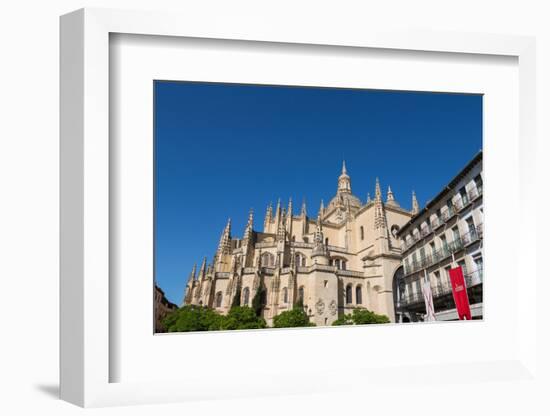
(428, 301)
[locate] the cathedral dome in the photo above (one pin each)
(344, 197)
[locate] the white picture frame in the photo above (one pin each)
(86, 166)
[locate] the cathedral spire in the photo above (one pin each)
(192, 275)
(303, 212)
(278, 209)
(344, 181)
(202, 271)
(281, 229)
(377, 191)
(249, 225)
(277, 218)
(321, 208)
(389, 196)
(289, 211)
(415, 207)
(368, 198)
(268, 216)
(379, 216)
(319, 247)
(225, 240)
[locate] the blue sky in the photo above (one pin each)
(221, 149)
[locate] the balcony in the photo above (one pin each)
(475, 193)
(474, 277)
(472, 236)
(449, 213)
(425, 231)
(445, 251)
(410, 299)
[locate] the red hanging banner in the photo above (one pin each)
(460, 294)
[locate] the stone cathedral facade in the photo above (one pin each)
(343, 258)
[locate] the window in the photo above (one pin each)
(462, 265)
(301, 294)
(432, 248)
(471, 227)
(479, 184)
(456, 234)
(246, 296)
(358, 295)
(348, 294)
(479, 267)
(362, 230)
(417, 286)
(443, 242)
(326, 241)
(448, 273)
(219, 297)
(285, 295)
(450, 205)
(463, 195)
(306, 240)
(326, 283)
(267, 260)
(300, 260)
(437, 276)
(422, 255)
(339, 263)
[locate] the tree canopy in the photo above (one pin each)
(200, 318)
(192, 318)
(361, 316)
(296, 317)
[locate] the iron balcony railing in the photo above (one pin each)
(475, 193)
(472, 236)
(472, 278)
(445, 215)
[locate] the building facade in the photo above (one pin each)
(445, 234)
(162, 308)
(346, 257)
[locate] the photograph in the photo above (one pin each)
(280, 206)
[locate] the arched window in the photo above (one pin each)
(246, 296)
(300, 260)
(301, 294)
(348, 294)
(267, 260)
(341, 264)
(358, 294)
(326, 241)
(219, 297)
(285, 295)
(362, 231)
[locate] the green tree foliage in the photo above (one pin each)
(192, 318)
(242, 317)
(361, 316)
(200, 318)
(293, 318)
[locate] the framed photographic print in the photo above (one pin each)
(282, 206)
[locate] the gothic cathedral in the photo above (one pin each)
(344, 258)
